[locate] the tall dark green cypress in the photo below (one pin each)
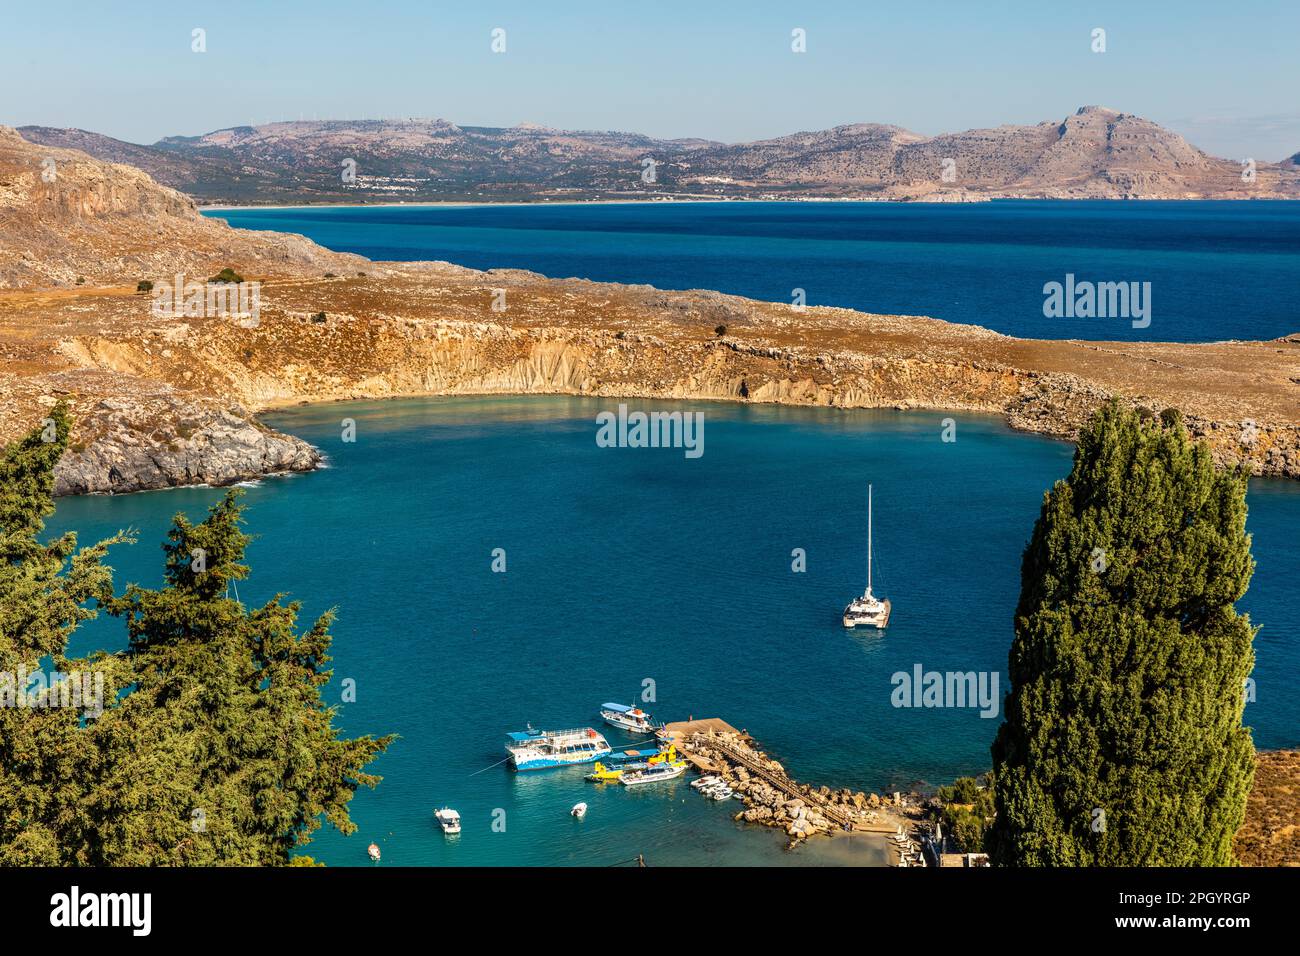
(1122, 743)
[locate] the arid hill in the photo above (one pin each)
(1095, 152)
(165, 400)
(66, 217)
(1271, 833)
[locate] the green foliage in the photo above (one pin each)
(1122, 743)
(144, 285)
(967, 812)
(44, 587)
(227, 275)
(720, 331)
(213, 747)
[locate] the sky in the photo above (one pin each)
(1225, 75)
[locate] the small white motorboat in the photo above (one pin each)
(579, 810)
(653, 774)
(705, 782)
(448, 819)
(721, 793)
(373, 850)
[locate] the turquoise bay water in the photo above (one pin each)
(628, 564)
(1218, 270)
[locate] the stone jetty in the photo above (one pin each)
(771, 797)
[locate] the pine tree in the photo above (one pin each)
(214, 746)
(44, 590)
(1122, 743)
(225, 721)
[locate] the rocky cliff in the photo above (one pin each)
(161, 401)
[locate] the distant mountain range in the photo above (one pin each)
(1094, 153)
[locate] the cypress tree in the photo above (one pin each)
(1122, 743)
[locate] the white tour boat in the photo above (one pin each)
(538, 749)
(627, 718)
(868, 610)
(448, 819)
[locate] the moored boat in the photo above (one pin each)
(627, 718)
(540, 749)
(667, 755)
(868, 610)
(448, 819)
(602, 774)
(579, 810)
(654, 774)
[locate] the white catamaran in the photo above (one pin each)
(867, 610)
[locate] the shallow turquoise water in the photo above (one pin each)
(628, 564)
(1217, 269)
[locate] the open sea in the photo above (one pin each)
(1217, 269)
(630, 568)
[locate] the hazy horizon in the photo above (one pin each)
(1224, 79)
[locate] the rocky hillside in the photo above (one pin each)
(1271, 833)
(162, 401)
(67, 219)
(1096, 152)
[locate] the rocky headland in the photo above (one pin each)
(163, 401)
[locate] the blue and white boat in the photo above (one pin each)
(539, 749)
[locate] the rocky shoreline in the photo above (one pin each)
(164, 403)
(772, 798)
(142, 447)
(161, 401)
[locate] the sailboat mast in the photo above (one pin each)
(868, 539)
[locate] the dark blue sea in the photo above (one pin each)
(1217, 270)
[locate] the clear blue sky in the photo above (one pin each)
(1226, 75)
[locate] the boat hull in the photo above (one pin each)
(631, 726)
(878, 619)
(550, 763)
(643, 778)
(544, 750)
